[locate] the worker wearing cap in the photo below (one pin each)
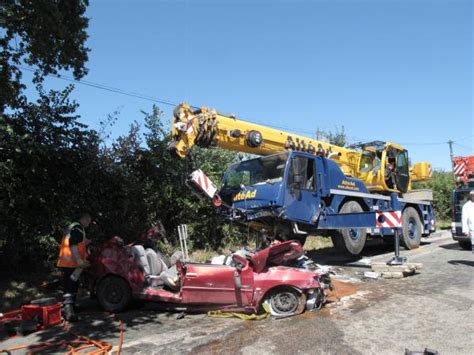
(72, 259)
(468, 218)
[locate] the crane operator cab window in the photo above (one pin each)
(301, 175)
(367, 161)
(397, 170)
(402, 171)
(390, 178)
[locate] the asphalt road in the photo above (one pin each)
(432, 309)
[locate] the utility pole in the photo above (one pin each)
(450, 143)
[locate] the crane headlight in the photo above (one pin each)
(254, 139)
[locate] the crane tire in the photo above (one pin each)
(411, 228)
(351, 242)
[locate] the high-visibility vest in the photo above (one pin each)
(66, 258)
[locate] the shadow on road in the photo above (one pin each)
(374, 247)
(95, 325)
(452, 246)
(461, 262)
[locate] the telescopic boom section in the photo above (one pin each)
(207, 128)
(382, 166)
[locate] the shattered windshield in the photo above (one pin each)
(268, 169)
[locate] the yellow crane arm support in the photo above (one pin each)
(207, 128)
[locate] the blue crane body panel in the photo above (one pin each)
(309, 190)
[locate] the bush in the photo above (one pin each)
(442, 184)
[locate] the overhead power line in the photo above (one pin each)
(438, 143)
(108, 88)
(148, 97)
(463, 146)
(173, 104)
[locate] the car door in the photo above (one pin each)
(216, 284)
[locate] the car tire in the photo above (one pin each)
(114, 294)
(350, 241)
(465, 244)
(285, 302)
(411, 228)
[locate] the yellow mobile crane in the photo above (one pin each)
(382, 166)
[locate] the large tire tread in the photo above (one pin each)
(410, 242)
(342, 238)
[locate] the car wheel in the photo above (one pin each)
(114, 294)
(285, 302)
(350, 241)
(465, 244)
(411, 228)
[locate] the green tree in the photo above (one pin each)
(48, 35)
(169, 200)
(44, 150)
(337, 137)
(442, 185)
(44, 154)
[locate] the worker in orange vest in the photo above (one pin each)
(72, 260)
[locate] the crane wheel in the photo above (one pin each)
(350, 241)
(411, 228)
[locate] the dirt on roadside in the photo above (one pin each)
(21, 289)
(342, 289)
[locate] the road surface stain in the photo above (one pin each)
(249, 331)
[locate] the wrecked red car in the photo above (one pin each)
(117, 277)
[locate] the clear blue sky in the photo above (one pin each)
(397, 70)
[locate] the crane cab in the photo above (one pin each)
(383, 166)
(286, 186)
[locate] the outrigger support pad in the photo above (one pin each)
(397, 259)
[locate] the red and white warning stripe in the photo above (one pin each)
(388, 219)
(459, 168)
(204, 183)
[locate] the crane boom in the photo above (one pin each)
(369, 162)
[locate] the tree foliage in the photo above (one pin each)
(442, 184)
(337, 137)
(48, 35)
(44, 150)
(52, 167)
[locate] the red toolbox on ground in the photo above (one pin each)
(40, 314)
(46, 315)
